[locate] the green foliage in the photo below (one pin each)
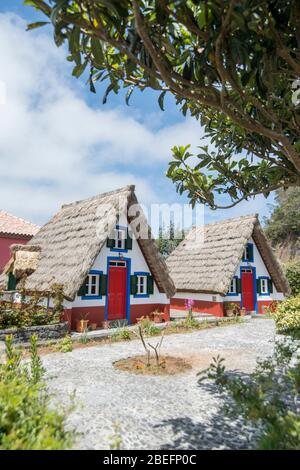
(292, 272)
(31, 310)
(26, 420)
(168, 239)
(268, 397)
(122, 334)
(66, 344)
(284, 222)
(149, 328)
(231, 65)
(287, 316)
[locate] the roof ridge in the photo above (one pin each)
(130, 187)
(219, 222)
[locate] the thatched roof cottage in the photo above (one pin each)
(101, 251)
(227, 261)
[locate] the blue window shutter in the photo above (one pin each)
(258, 286)
(238, 286)
(128, 241)
(110, 242)
(12, 282)
(150, 285)
(270, 286)
(250, 252)
(102, 284)
(133, 285)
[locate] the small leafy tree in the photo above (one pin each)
(292, 272)
(233, 65)
(287, 316)
(27, 421)
(269, 397)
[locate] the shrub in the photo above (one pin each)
(26, 420)
(148, 327)
(123, 333)
(292, 272)
(269, 397)
(287, 316)
(66, 344)
(31, 310)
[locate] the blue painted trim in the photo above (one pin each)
(120, 250)
(141, 296)
(93, 297)
(128, 267)
(255, 290)
(235, 294)
(266, 294)
(249, 260)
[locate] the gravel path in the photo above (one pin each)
(169, 412)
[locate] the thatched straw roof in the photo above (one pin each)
(72, 239)
(208, 258)
(25, 259)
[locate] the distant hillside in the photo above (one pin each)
(283, 226)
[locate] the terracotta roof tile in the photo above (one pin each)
(13, 225)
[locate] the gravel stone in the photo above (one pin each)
(158, 412)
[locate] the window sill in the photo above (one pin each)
(120, 250)
(91, 297)
(141, 296)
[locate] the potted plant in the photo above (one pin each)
(243, 311)
(93, 326)
(105, 324)
(156, 316)
(230, 309)
(82, 324)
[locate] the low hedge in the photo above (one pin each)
(287, 316)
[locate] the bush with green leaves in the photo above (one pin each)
(268, 398)
(292, 272)
(31, 310)
(287, 316)
(66, 344)
(27, 422)
(149, 328)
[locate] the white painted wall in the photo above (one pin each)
(199, 296)
(261, 270)
(138, 263)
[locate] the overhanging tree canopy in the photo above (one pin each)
(232, 64)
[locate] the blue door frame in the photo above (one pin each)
(128, 267)
(254, 285)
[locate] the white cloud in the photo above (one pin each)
(55, 148)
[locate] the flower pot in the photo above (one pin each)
(81, 325)
(157, 317)
(105, 325)
(93, 326)
(229, 313)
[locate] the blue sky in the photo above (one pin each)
(58, 143)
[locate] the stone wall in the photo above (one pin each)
(44, 332)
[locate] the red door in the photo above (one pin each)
(248, 290)
(117, 292)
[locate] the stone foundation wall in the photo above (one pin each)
(43, 332)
